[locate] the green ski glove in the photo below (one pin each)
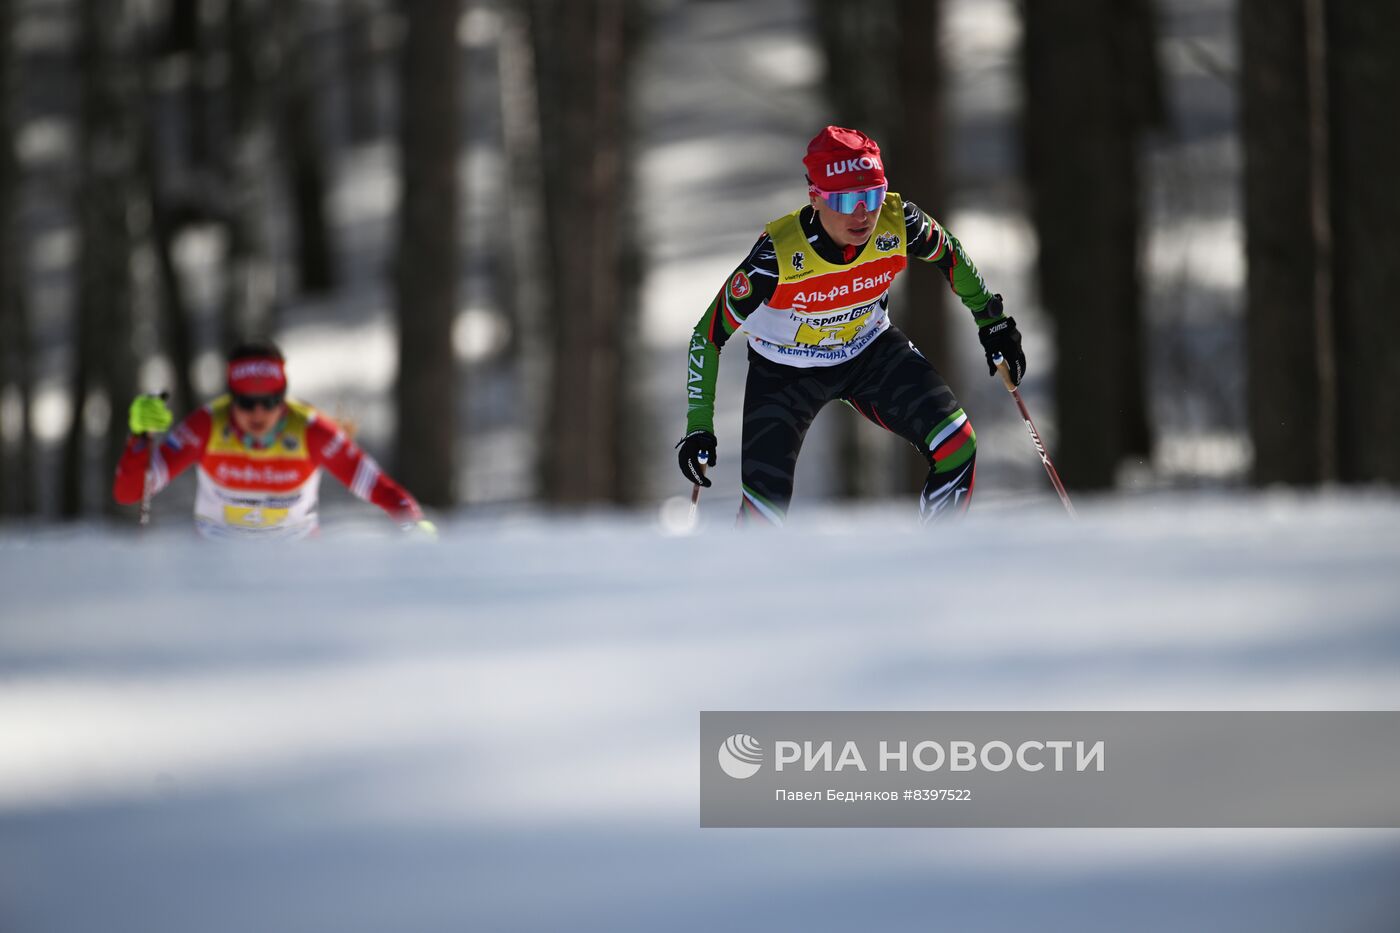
(149, 415)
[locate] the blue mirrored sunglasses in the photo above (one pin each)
(845, 202)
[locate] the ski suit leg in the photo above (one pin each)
(779, 405)
(899, 390)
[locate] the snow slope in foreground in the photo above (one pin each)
(499, 732)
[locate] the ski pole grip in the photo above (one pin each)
(1004, 371)
(704, 460)
(695, 489)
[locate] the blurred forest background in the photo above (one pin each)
(483, 229)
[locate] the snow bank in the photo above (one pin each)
(499, 731)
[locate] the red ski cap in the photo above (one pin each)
(840, 159)
(257, 375)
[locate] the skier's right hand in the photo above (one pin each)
(149, 414)
(696, 448)
(1002, 337)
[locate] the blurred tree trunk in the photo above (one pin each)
(581, 59)
(1091, 88)
(185, 37)
(303, 150)
(1363, 67)
(426, 266)
(917, 160)
(360, 59)
(174, 315)
(861, 98)
(1287, 246)
(107, 152)
(629, 397)
(1322, 224)
(1143, 106)
(21, 477)
(182, 26)
(10, 264)
(12, 349)
(250, 274)
(523, 291)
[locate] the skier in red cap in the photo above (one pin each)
(813, 298)
(260, 456)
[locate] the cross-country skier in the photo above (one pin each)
(813, 297)
(260, 456)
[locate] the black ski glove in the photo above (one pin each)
(696, 448)
(1001, 336)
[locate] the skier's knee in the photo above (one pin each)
(952, 444)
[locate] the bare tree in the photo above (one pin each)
(581, 58)
(918, 158)
(426, 266)
(12, 348)
(1091, 89)
(19, 494)
(523, 294)
(1291, 377)
(860, 97)
(165, 217)
(360, 21)
(251, 274)
(303, 152)
(186, 38)
(1322, 224)
(105, 361)
(1364, 85)
(9, 267)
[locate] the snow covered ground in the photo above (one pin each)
(499, 731)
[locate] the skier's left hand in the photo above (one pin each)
(149, 414)
(1001, 336)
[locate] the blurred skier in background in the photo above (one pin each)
(260, 456)
(813, 298)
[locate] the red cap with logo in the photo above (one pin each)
(839, 159)
(257, 375)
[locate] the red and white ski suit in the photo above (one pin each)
(246, 489)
